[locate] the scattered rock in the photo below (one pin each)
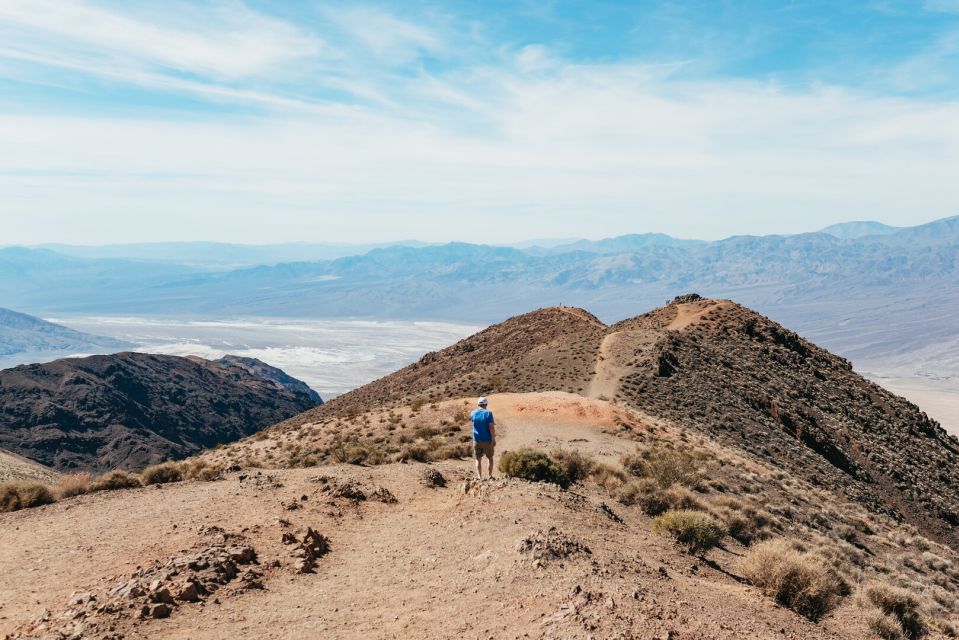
(543, 547)
(433, 478)
(306, 551)
(156, 590)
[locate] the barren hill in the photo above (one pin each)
(723, 371)
(698, 421)
(129, 410)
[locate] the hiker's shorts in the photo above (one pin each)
(483, 449)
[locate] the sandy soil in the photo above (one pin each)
(14, 467)
(440, 563)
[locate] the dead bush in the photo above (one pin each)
(901, 605)
(201, 470)
(665, 465)
(884, 625)
(576, 465)
(799, 581)
(607, 476)
(23, 495)
(114, 480)
(676, 498)
(73, 484)
(697, 531)
(162, 473)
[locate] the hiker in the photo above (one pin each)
(484, 436)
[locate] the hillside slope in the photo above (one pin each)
(723, 371)
(131, 409)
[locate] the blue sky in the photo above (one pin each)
(313, 121)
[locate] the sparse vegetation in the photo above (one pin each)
(665, 465)
(162, 473)
(576, 465)
(896, 606)
(698, 532)
(72, 484)
(799, 581)
(533, 465)
(115, 480)
(23, 495)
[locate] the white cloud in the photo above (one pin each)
(220, 41)
(526, 143)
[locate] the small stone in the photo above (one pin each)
(161, 610)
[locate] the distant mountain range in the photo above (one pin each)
(865, 290)
(22, 333)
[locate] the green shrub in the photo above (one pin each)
(115, 480)
(73, 484)
(901, 605)
(698, 532)
(162, 473)
(23, 495)
(533, 465)
(799, 581)
(576, 466)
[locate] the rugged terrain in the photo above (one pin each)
(364, 523)
(130, 410)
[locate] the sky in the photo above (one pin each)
(262, 122)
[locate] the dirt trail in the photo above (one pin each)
(687, 314)
(609, 371)
(439, 563)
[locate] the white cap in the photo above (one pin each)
(482, 401)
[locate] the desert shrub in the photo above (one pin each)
(658, 501)
(576, 466)
(884, 625)
(799, 581)
(23, 495)
(607, 476)
(162, 473)
(201, 470)
(945, 627)
(744, 522)
(630, 493)
(901, 605)
(697, 531)
(452, 450)
(73, 484)
(115, 480)
(417, 404)
(532, 465)
(417, 451)
(666, 466)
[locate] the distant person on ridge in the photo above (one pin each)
(484, 436)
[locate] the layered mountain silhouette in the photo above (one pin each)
(130, 410)
(719, 369)
(868, 292)
(20, 333)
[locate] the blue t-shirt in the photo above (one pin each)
(482, 419)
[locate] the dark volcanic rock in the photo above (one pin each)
(130, 410)
(280, 378)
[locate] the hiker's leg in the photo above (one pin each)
(479, 463)
(490, 456)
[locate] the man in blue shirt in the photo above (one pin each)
(484, 436)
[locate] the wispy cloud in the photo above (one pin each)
(220, 41)
(375, 125)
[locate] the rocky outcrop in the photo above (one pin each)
(280, 378)
(129, 410)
